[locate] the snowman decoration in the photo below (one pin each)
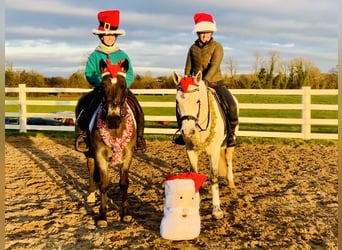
(181, 220)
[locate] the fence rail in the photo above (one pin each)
(305, 106)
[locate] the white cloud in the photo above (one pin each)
(54, 7)
(30, 31)
(56, 35)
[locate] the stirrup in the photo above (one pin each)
(81, 144)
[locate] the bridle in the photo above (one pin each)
(191, 117)
(122, 102)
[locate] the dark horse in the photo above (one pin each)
(112, 137)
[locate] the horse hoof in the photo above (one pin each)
(91, 198)
(127, 219)
(102, 223)
(217, 213)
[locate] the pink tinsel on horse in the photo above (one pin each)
(118, 144)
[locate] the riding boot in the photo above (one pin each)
(81, 143)
(140, 120)
(231, 139)
(230, 108)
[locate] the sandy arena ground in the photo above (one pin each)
(285, 198)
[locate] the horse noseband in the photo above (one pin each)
(191, 117)
(188, 117)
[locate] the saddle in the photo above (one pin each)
(92, 102)
(222, 107)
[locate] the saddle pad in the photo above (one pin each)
(93, 118)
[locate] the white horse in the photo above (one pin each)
(203, 130)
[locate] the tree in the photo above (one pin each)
(11, 77)
(231, 66)
(273, 66)
(262, 77)
(259, 71)
(258, 63)
(56, 82)
(78, 80)
(31, 79)
(305, 71)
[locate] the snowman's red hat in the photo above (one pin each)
(190, 180)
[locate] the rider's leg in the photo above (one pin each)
(81, 143)
(90, 102)
(81, 129)
(230, 108)
(140, 120)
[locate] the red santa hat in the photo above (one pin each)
(204, 22)
(109, 21)
(187, 180)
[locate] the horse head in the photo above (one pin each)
(192, 104)
(114, 91)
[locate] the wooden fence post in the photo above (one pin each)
(22, 109)
(306, 113)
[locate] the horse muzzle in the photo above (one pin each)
(188, 129)
(113, 122)
(114, 116)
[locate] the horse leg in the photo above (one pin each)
(124, 183)
(223, 166)
(229, 158)
(214, 159)
(92, 185)
(193, 159)
(103, 186)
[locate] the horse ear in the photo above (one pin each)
(198, 76)
(103, 65)
(124, 66)
(176, 78)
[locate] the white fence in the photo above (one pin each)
(305, 106)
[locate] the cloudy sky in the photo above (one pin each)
(54, 37)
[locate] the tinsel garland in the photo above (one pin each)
(118, 144)
(201, 147)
